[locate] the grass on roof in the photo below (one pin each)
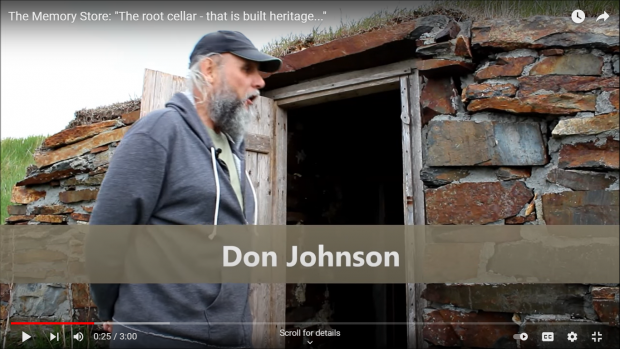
(456, 9)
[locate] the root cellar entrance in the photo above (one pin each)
(345, 168)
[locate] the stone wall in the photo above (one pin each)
(61, 189)
(520, 126)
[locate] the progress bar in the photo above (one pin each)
(316, 323)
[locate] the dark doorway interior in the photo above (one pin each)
(345, 168)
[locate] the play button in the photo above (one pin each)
(25, 336)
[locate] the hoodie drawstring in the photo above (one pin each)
(217, 187)
(217, 191)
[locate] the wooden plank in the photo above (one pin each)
(408, 205)
(279, 164)
(416, 154)
(405, 117)
(340, 93)
(415, 302)
(341, 80)
(263, 188)
(267, 163)
(260, 300)
(262, 122)
(278, 211)
(157, 89)
(258, 143)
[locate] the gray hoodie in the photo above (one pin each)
(165, 171)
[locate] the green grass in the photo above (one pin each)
(16, 156)
(460, 9)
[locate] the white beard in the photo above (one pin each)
(229, 113)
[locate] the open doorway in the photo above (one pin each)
(344, 167)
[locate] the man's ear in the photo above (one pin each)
(207, 67)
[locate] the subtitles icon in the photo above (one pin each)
(578, 16)
(547, 336)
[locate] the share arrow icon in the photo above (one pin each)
(604, 16)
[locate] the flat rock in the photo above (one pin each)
(23, 195)
(80, 295)
(462, 47)
(520, 219)
(587, 126)
(99, 149)
(444, 67)
(54, 219)
(552, 52)
(448, 33)
(614, 98)
(46, 158)
(90, 180)
(130, 118)
(557, 104)
(590, 155)
(478, 91)
(51, 209)
(451, 328)
(442, 48)
(437, 98)
(607, 310)
(505, 67)
(511, 173)
(72, 196)
(79, 133)
(43, 177)
(594, 207)
(476, 203)
(564, 83)
(16, 209)
(438, 176)
(605, 292)
(80, 217)
(487, 143)
(357, 44)
(570, 64)
(579, 180)
(540, 32)
(18, 218)
(511, 298)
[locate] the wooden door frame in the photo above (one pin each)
(400, 75)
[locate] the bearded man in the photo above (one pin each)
(185, 164)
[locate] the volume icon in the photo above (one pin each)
(79, 336)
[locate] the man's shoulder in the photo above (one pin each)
(160, 124)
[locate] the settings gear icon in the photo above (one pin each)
(572, 336)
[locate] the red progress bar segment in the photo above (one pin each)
(52, 323)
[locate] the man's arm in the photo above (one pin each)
(128, 196)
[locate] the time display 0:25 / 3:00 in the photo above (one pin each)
(106, 336)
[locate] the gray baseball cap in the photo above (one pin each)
(239, 45)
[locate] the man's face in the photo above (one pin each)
(235, 87)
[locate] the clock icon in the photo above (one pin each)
(578, 16)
